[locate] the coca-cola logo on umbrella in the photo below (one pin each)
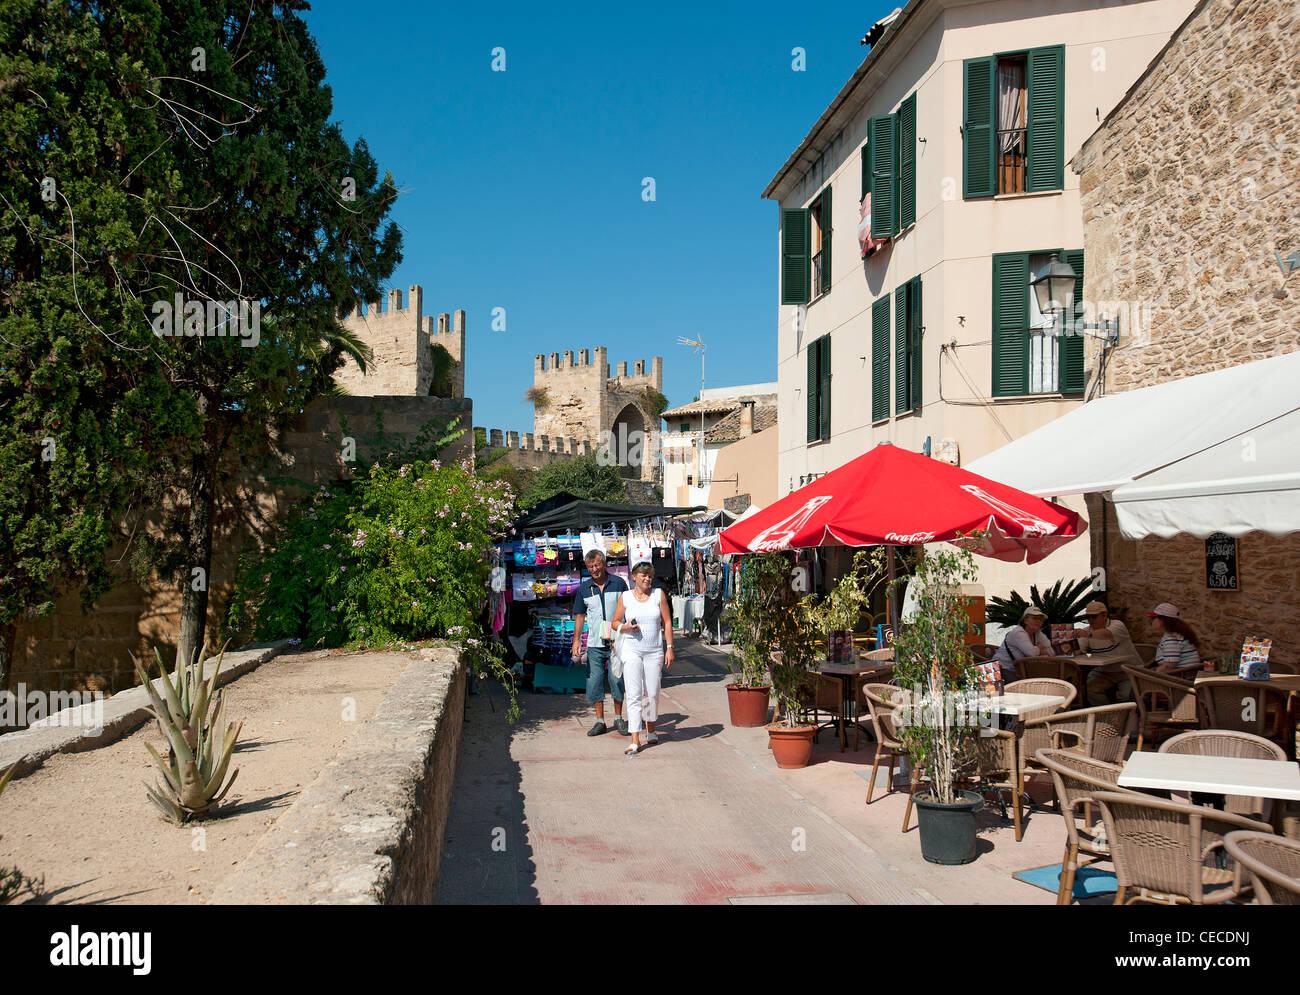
(778, 536)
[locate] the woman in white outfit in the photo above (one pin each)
(642, 616)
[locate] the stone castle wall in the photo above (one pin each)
(1189, 196)
(401, 340)
(69, 650)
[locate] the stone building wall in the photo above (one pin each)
(583, 399)
(401, 340)
(1189, 199)
(69, 650)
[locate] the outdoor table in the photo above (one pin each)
(1015, 705)
(847, 672)
(1087, 661)
(1212, 775)
(1288, 682)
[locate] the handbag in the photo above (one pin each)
(616, 655)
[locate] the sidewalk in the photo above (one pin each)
(544, 814)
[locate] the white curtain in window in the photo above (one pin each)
(1043, 347)
(1011, 102)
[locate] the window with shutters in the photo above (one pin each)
(907, 346)
(1013, 123)
(1027, 357)
(880, 359)
(820, 213)
(819, 389)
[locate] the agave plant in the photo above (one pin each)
(1060, 603)
(191, 715)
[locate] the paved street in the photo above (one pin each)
(544, 814)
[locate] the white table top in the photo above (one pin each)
(1212, 775)
(1019, 704)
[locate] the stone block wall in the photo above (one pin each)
(69, 650)
(1189, 197)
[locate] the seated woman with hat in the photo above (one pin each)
(1025, 639)
(1179, 649)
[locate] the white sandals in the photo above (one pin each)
(632, 750)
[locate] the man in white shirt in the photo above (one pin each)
(1110, 637)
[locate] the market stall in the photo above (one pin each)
(537, 574)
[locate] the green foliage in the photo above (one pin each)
(842, 608)
(582, 476)
(769, 636)
(934, 665)
(656, 403)
(191, 714)
(1061, 604)
(12, 881)
(444, 364)
(396, 558)
(538, 397)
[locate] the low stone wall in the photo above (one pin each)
(77, 729)
(369, 830)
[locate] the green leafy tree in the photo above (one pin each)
(582, 476)
(90, 426)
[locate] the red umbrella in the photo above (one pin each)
(891, 496)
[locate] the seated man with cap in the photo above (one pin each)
(1025, 639)
(1109, 636)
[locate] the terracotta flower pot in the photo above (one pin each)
(792, 748)
(748, 705)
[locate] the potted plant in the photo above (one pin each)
(932, 661)
(764, 584)
(792, 653)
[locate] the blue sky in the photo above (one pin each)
(523, 188)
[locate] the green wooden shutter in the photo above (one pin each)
(979, 128)
(1046, 119)
(1010, 324)
(901, 400)
(796, 257)
(914, 342)
(880, 359)
(866, 168)
(907, 162)
(826, 216)
(814, 388)
(825, 396)
(883, 215)
(1070, 357)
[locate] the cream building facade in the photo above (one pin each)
(958, 126)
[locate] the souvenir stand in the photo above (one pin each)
(540, 570)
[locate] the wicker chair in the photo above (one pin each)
(1038, 737)
(1100, 732)
(1056, 667)
(1225, 743)
(1276, 667)
(982, 652)
(1077, 779)
(1147, 652)
(1159, 849)
(823, 693)
(1164, 702)
(999, 769)
(881, 700)
(1272, 863)
(1225, 705)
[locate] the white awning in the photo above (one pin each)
(1218, 452)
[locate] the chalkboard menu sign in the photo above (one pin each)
(1221, 562)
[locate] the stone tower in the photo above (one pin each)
(401, 340)
(583, 401)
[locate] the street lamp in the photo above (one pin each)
(1054, 291)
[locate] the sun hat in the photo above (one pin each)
(1033, 610)
(1096, 608)
(1164, 610)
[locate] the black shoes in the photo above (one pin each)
(599, 729)
(621, 725)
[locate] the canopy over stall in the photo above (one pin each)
(891, 496)
(579, 514)
(1218, 452)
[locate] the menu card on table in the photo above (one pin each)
(1254, 659)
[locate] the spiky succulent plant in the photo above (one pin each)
(191, 715)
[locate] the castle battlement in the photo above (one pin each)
(531, 443)
(400, 340)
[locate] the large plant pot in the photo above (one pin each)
(748, 705)
(792, 748)
(948, 831)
